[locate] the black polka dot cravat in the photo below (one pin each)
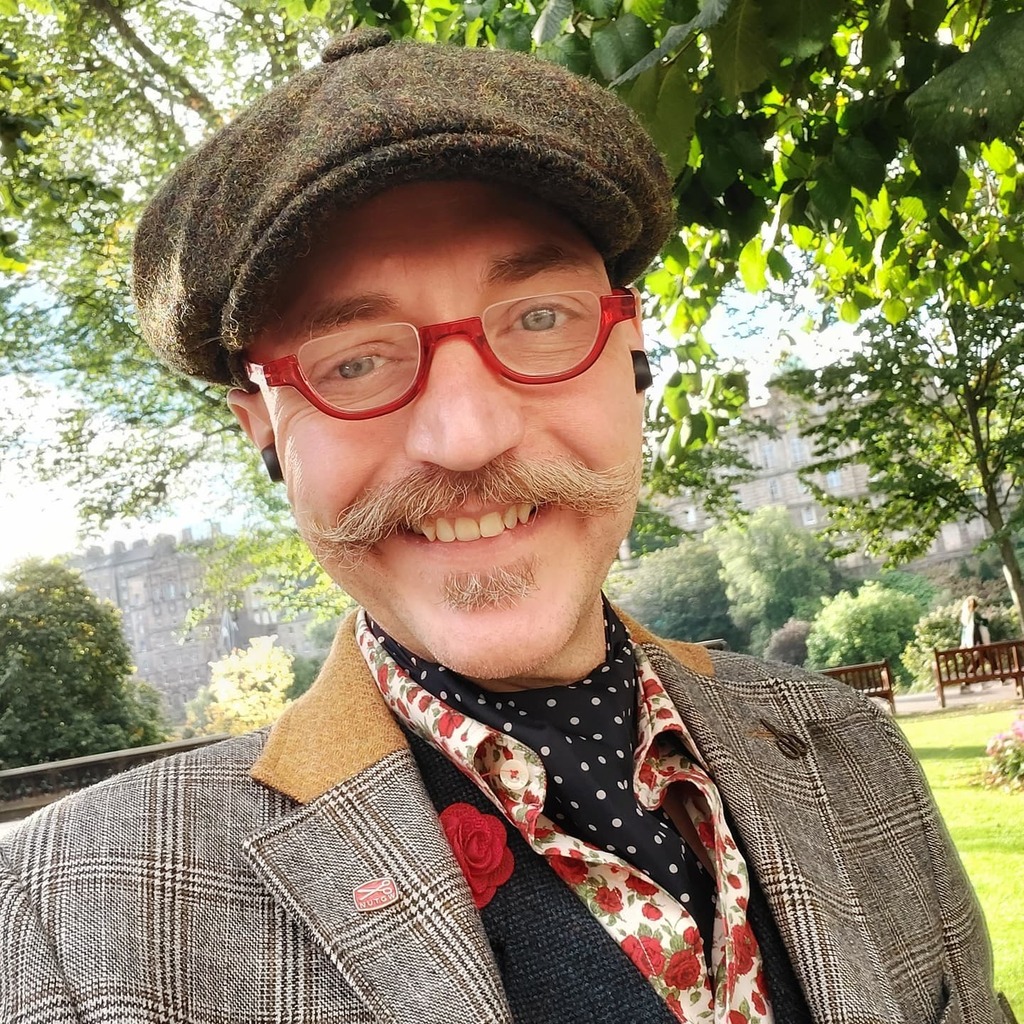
(585, 734)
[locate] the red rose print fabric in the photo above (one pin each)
(654, 930)
(480, 845)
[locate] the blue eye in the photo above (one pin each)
(543, 319)
(360, 367)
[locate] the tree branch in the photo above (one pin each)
(193, 97)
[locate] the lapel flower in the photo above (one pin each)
(480, 844)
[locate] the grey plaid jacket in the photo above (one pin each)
(216, 887)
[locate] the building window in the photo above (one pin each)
(766, 454)
(810, 515)
(833, 479)
(797, 450)
(774, 490)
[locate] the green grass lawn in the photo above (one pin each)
(987, 825)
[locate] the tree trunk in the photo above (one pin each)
(1014, 577)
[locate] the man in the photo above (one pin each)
(500, 801)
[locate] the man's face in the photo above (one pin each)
(519, 607)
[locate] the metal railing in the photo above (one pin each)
(24, 790)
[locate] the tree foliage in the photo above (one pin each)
(772, 571)
(880, 141)
(651, 530)
(247, 690)
(871, 625)
(678, 593)
(934, 407)
(66, 686)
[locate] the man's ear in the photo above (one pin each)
(251, 412)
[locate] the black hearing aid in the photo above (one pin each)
(273, 463)
(641, 371)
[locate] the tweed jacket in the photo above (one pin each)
(216, 887)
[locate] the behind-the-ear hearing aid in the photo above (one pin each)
(273, 463)
(641, 370)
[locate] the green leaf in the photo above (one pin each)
(849, 312)
(912, 209)
(741, 48)
(999, 156)
(801, 28)
(10, 265)
(803, 237)
(830, 194)
(599, 9)
(571, 50)
(642, 94)
(948, 233)
(674, 116)
(514, 32)
(752, 264)
(894, 310)
(981, 96)
(926, 16)
(551, 19)
(779, 265)
(710, 13)
(879, 47)
(620, 44)
(648, 11)
(859, 163)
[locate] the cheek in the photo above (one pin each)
(325, 466)
(606, 431)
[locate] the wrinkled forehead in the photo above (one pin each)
(466, 238)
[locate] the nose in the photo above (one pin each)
(466, 415)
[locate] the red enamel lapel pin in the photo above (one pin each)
(375, 894)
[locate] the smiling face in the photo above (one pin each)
(486, 512)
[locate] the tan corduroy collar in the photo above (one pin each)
(341, 725)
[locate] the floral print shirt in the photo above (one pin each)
(653, 929)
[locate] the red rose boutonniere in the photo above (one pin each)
(480, 845)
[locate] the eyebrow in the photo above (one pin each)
(333, 315)
(516, 267)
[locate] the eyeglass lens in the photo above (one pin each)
(368, 366)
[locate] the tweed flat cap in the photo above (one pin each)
(214, 243)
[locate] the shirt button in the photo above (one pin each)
(514, 775)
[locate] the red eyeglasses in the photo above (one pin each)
(370, 370)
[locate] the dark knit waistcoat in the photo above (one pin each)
(557, 962)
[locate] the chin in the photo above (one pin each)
(537, 641)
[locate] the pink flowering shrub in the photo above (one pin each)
(1006, 756)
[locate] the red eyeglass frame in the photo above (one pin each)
(617, 307)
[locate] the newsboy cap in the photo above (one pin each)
(213, 245)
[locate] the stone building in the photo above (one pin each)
(155, 585)
(778, 457)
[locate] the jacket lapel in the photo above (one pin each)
(366, 816)
(768, 771)
(423, 959)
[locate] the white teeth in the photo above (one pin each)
(491, 525)
(465, 528)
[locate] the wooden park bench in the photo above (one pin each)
(874, 679)
(986, 663)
